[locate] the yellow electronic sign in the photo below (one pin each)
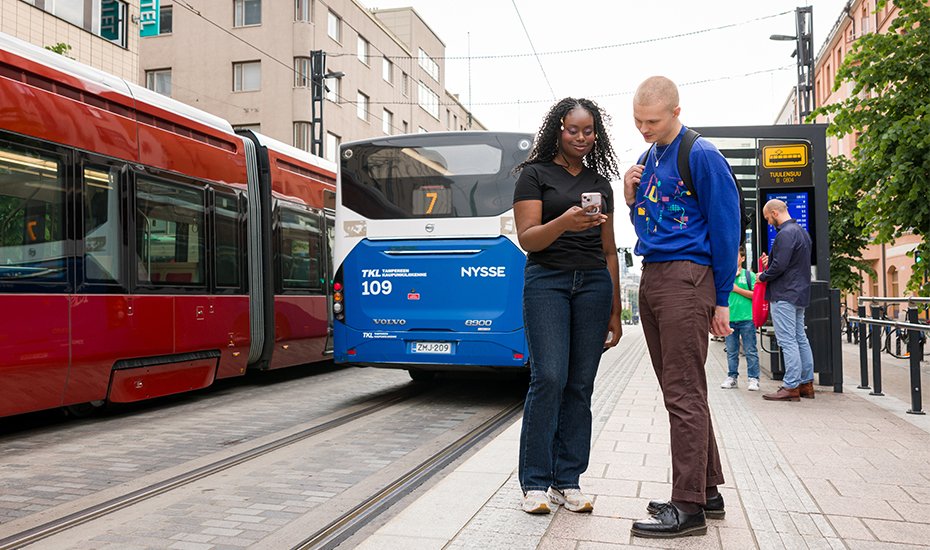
(785, 156)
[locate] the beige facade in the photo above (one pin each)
(254, 72)
(892, 266)
(79, 27)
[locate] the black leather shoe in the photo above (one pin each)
(713, 509)
(670, 522)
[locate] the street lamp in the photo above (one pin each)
(805, 57)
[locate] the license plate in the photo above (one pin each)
(433, 347)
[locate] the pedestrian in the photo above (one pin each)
(688, 242)
(788, 278)
(743, 328)
(571, 298)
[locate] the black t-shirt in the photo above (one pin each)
(559, 190)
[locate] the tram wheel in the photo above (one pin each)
(418, 375)
(81, 410)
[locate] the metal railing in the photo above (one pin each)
(915, 343)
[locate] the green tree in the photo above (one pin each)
(889, 107)
(60, 48)
(626, 315)
(849, 229)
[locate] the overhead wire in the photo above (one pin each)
(532, 47)
(344, 100)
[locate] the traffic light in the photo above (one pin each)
(918, 257)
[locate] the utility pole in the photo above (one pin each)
(805, 53)
(317, 72)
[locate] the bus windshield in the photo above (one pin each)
(435, 176)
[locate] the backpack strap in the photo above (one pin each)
(684, 166)
(748, 278)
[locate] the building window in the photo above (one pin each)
(429, 65)
(165, 16)
(387, 70)
(334, 27)
(113, 21)
(893, 280)
(361, 104)
(331, 151)
(247, 12)
(243, 127)
(247, 76)
(303, 10)
(404, 84)
(333, 89)
(449, 125)
(159, 81)
(301, 72)
(362, 50)
(428, 100)
(302, 135)
(406, 127)
(387, 122)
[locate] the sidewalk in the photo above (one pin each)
(840, 471)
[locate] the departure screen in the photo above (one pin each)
(800, 208)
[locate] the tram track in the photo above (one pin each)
(349, 523)
(96, 511)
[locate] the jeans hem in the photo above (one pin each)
(568, 486)
(528, 489)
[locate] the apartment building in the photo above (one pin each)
(249, 62)
(101, 33)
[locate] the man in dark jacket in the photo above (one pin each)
(788, 276)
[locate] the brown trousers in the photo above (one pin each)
(676, 305)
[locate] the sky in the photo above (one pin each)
(713, 69)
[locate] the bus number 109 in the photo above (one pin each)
(373, 288)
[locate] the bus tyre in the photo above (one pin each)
(418, 375)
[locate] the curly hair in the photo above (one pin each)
(601, 158)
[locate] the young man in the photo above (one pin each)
(788, 278)
(688, 244)
(743, 329)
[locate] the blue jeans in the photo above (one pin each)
(746, 331)
(566, 315)
(796, 349)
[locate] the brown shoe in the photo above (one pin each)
(784, 394)
(806, 390)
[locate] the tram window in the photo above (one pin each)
(301, 246)
(228, 247)
(169, 235)
(102, 250)
(32, 217)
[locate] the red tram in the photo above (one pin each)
(146, 249)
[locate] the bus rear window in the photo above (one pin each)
(425, 177)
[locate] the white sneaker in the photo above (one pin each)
(536, 502)
(572, 499)
(753, 384)
(729, 383)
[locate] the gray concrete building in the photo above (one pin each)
(101, 33)
(248, 61)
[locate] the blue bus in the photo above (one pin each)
(428, 270)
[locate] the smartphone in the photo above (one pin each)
(591, 199)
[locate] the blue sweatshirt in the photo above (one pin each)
(673, 225)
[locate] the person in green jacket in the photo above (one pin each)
(743, 329)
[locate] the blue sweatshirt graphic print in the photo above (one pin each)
(672, 224)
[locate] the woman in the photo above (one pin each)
(571, 300)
